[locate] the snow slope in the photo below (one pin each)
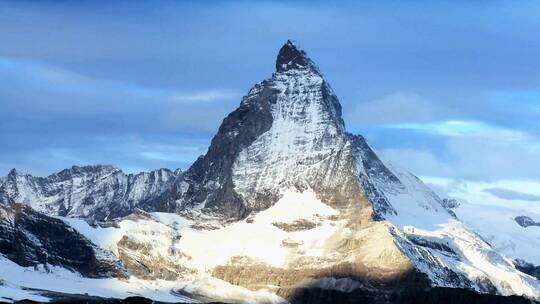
(432, 237)
(21, 283)
(256, 237)
(499, 227)
(57, 279)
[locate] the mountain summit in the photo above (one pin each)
(285, 199)
(290, 56)
(287, 133)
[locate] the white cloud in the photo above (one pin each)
(206, 96)
(477, 192)
(460, 128)
(482, 157)
(170, 153)
(97, 93)
(512, 194)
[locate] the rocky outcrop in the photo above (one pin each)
(450, 203)
(30, 238)
(297, 225)
(528, 268)
(138, 259)
(525, 221)
(150, 252)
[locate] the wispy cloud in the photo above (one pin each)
(58, 79)
(170, 153)
(207, 96)
(457, 128)
(476, 155)
(513, 195)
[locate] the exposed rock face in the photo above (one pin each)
(92, 192)
(528, 268)
(297, 225)
(525, 221)
(137, 258)
(450, 203)
(30, 238)
(150, 252)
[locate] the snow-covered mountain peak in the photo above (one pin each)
(13, 172)
(291, 56)
(288, 132)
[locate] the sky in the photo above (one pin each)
(449, 90)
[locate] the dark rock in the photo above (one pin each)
(436, 295)
(440, 246)
(292, 57)
(30, 238)
(528, 268)
(450, 203)
(525, 221)
(298, 225)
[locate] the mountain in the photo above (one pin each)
(286, 205)
(91, 192)
(287, 133)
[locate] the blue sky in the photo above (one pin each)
(445, 89)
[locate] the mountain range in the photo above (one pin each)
(285, 206)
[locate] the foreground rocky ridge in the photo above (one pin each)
(285, 202)
(30, 238)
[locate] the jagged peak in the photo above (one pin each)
(13, 172)
(76, 170)
(291, 56)
(93, 168)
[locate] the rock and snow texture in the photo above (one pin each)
(284, 198)
(92, 192)
(28, 283)
(30, 238)
(445, 249)
(296, 241)
(286, 133)
(505, 229)
(525, 221)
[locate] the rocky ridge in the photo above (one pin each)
(93, 192)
